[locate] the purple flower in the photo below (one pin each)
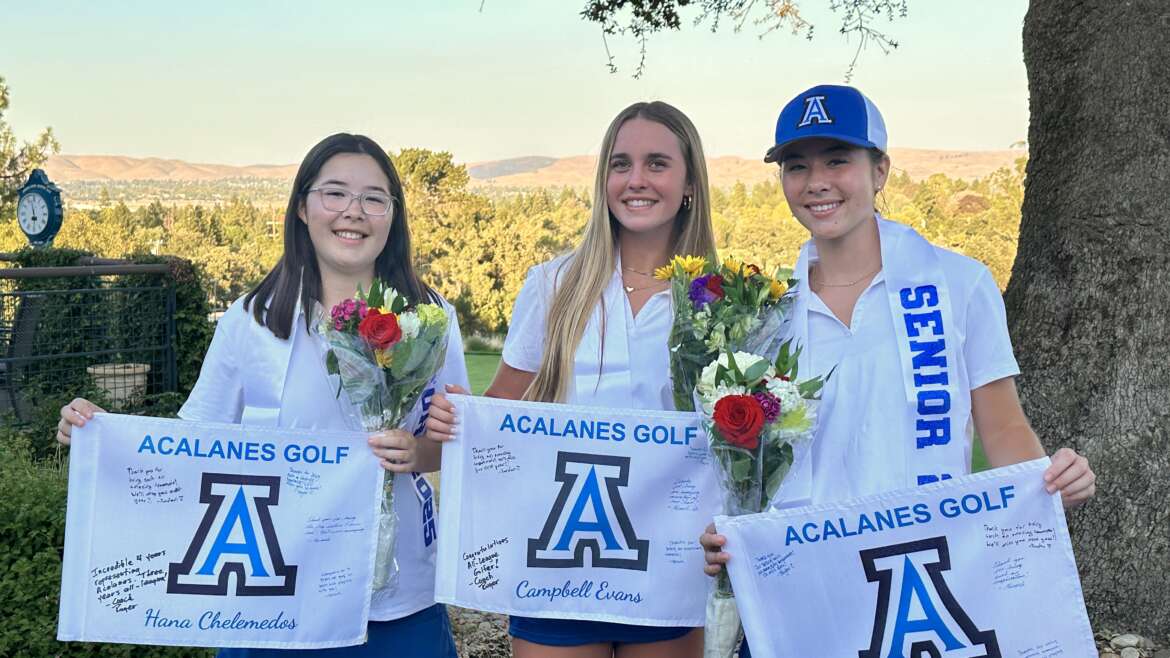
(706, 289)
(770, 404)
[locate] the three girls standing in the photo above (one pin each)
(875, 302)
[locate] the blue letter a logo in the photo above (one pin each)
(235, 538)
(586, 516)
(926, 620)
(814, 112)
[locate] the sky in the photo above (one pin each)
(261, 81)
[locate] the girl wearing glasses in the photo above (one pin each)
(590, 328)
(345, 224)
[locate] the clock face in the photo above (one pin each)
(33, 214)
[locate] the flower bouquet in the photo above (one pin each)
(754, 411)
(733, 306)
(384, 352)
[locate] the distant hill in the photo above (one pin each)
(69, 168)
(526, 172)
(498, 168)
(725, 171)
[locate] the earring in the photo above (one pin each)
(686, 202)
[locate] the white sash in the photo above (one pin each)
(264, 380)
(934, 448)
(920, 305)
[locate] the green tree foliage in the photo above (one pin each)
(17, 160)
(476, 251)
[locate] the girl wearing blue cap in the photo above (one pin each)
(344, 225)
(915, 335)
(590, 328)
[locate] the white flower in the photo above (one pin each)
(743, 360)
(718, 393)
(786, 392)
(409, 324)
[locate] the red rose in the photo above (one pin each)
(715, 285)
(379, 329)
(740, 419)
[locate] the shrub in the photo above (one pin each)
(32, 532)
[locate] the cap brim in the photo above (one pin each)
(773, 154)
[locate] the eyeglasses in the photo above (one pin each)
(336, 199)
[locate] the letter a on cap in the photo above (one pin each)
(814, 112)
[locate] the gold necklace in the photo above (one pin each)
(630, 269)
(859, 279)
(632, 289)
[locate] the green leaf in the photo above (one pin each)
(400, 304)
(755, 371)
(780, 467)
(331, 363)
(402, 358)
(375, 296)
(810, 389)
(733, 366)
(721, 376)
(782, 358)
(741, 468)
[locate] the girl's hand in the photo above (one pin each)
(73, 415)
(441, 415)
(1071, 476)
(713, 551)
(397, 450)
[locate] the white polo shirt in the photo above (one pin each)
(634, 369)
(243, 370)
(864, 417)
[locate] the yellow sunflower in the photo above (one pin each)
(776, 289)
(692, 265)
(733, 265)
(664, 273)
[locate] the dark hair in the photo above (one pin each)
(297, 268)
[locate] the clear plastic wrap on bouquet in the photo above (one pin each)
(694, 342)
(748, 479)
(767, 334)
(380, 396)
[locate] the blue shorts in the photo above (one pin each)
(425, 634)
(576, 632)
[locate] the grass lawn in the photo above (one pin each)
(481, 367)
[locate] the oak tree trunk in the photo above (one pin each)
(1089, 298)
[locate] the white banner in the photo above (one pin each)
(561, 511)
(201, 534)
(975, 567)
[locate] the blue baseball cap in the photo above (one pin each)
(833, 112)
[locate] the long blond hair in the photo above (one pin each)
(589, 268)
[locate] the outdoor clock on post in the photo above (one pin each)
(39, 209)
